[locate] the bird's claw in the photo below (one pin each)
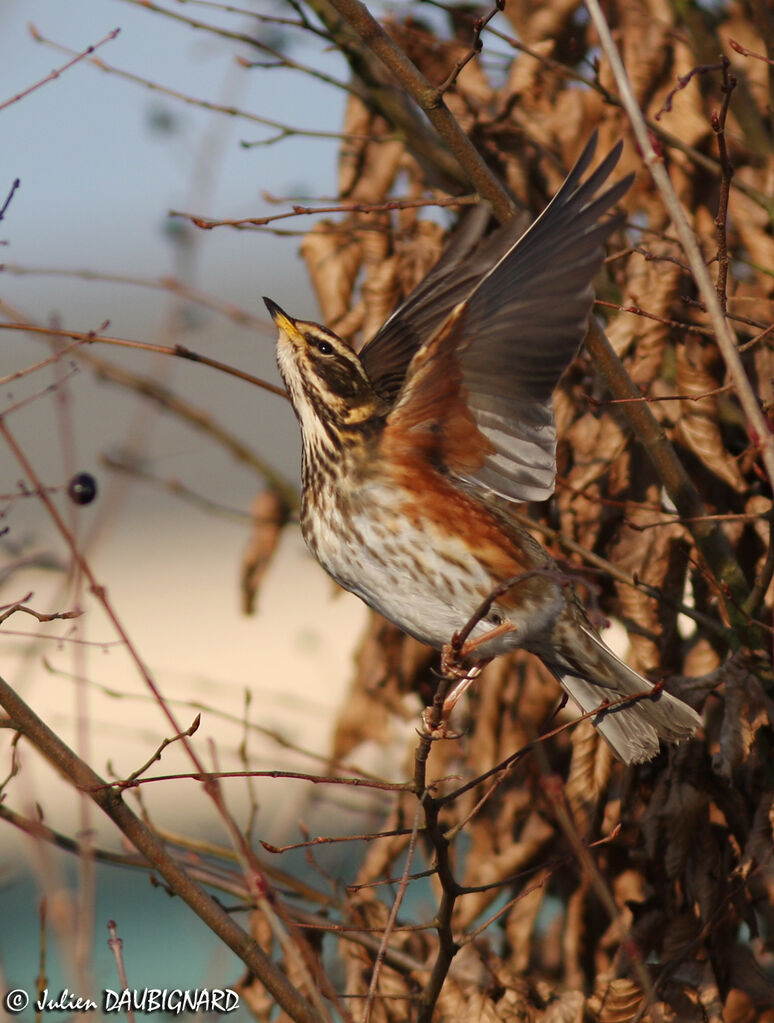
(435, 730)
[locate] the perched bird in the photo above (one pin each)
(411, 445)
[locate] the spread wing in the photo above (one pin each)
(481, 348)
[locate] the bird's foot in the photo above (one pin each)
(435, 729)
(436, 725)
(455, 655)
(452, 662)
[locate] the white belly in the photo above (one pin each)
(426, 584)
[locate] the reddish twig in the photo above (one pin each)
(83, 55)
(207, 223)
(682, 82)
(726, 341)
(718, 121)
(179, 351)
(116, 946)
(479, 24)
(10, 609)
(153, 849)
(749, 53)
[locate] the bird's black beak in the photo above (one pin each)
(279, 315)
(285, 324)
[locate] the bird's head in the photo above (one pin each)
(328, 386)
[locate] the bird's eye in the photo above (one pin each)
(323, 347)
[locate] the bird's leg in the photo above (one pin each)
(456, 651)
(437, 726)
(453, 666)
(461, 688)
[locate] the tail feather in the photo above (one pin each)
(632, 729)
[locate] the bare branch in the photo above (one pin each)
(149, 845)
(759, 431)
(83, 55)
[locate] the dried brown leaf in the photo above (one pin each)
(497, 866)
(461, 1004)
(671, 819)
(419, 253)
(269, 514)
(659, 557)
(357, 126)
(685, 809)
(653, 285)
(679, 935)
(367, 912)
(645, 53)
(255, 996)
(746, 975)
(744, 713)
(333, 261)
(388, 665)
(739, 1008)
(705, 884)
(534, 23)
(567, 1008)
(520, 922)
(574, 935)
(699, 372)
(589, 447)
(526, 72)
(380, 286)
(751, 222)
(709, 996)
(581, 787)
(616, 1000)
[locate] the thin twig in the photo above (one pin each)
(727, 172)
(393, 915)
(479, 24)
(5, 613)
(254, 878)
(749, 53)
(134, 781)
(155, 757)
(759, 431)
(116, 946)
(194, 101)
(430, 100)
(124, 464)
(150, 846)
(208, 223)
(242, 37)
(179, 351)
(9, 197)
(168, 285)
(682, 83)
(83, 55)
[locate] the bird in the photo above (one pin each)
(416, 448)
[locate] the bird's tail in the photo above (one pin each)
(632, 729)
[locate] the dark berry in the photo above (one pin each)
(82, 488)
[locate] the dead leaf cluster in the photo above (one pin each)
(669, 914)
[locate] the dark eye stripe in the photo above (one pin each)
(320, 344)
